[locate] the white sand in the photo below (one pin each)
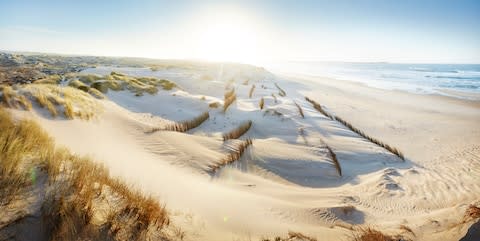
(286, 181)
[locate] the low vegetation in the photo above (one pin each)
(214, 104)
(319, 108)
(69, 101)
(189, 124)
(335, 161)
(274, 98)
(238, 132)
(370, 234)
(184, 126)
(231, 157)
(51, 79)
(117, 81)
(250, 93)
(291, 236)
(79, 200)
(300, 110)
(389, 148)
(229, 98)
(472, 212)
(281, 91)
(261, 103)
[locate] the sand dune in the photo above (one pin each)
(287, 179)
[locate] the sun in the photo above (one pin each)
(226, 36)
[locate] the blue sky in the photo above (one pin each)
(369, 30)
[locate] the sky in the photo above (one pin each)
(407, 31)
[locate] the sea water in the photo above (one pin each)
(445, 79)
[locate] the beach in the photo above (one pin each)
(286, 180)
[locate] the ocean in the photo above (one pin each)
(444, 79)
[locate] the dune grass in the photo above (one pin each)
(80, 200)
(117, 81)
(231, 157)
(300, 110)
(291, 236)
(184, 126)
(250, 93)
(261, 103)
(334, 160)
(229, 93)
(69, 101)
(472, 212)
(229, 98)
(52, 79)
(319, 108)
(370, 234)
(214, 104)
(347, 124)
(274, 98)
(238, 131)
(281, 91)
(189, 124)
(11, 99)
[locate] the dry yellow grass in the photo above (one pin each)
(472, 212)
(231, 157)
(96, 93)
(230, 97)
(237, 132)
(250, 93)
(52, 79)
(117, 81)
(261, 103)
(335, 160)
(291, 236)
(57, 100)
(184, 126)
(214, 105)
(10, 98)
(77, 188)
(7, 95)
(189, 124)
(300, 110)
(281, 91)
(274, 98)
(319, 108)
(370, 234)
